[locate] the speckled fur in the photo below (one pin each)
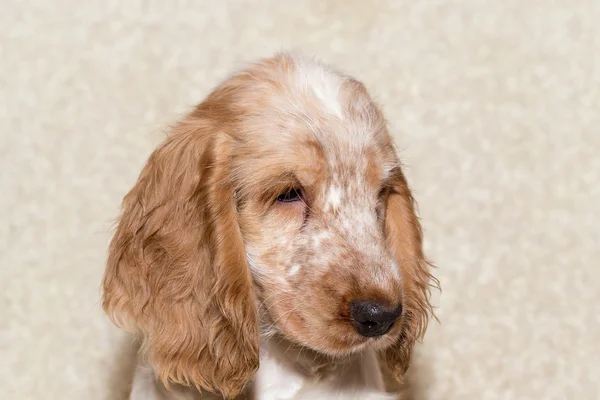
(205, 257)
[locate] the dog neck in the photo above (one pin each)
(286, 371)
(312, 364)
(287, 368)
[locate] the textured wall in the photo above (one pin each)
(495, 105)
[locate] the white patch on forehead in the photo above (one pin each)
(294, 269)
(334, 198)
(323, 84)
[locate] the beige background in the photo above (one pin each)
(496, 108)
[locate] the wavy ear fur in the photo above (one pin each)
(404, 235)
(177, 273)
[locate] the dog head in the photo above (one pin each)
(277, 206)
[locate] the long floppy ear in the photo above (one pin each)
(177, 273)
(404, 236)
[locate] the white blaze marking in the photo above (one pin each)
(294, 270)
(329, 100)
(334, 198)
(324, 85)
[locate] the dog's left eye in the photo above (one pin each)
(290, 196)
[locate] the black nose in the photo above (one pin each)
(372, 318)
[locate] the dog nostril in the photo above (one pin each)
(371, 318)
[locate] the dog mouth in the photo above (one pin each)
(348, 340)
(336, 334)
(337, 338)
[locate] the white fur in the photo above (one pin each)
(319, 237)
(322, 84)
(294, 269)
(334, 198)
(396, 270)
(285, 375)
(280, 377)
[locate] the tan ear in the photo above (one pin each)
(404, 235)
(177, 272)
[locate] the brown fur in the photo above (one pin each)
(178, 271)
(404, 233)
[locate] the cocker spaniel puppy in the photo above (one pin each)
(270, 248)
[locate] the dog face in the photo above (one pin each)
(277, 207)
(312, 211)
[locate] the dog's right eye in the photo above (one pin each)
(289, 196)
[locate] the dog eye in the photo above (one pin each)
(290, 196)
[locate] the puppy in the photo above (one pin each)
(270, 248)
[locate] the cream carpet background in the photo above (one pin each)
(496, 108)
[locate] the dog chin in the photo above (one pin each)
(375, 344)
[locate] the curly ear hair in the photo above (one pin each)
(177, 273)
(404, 236)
